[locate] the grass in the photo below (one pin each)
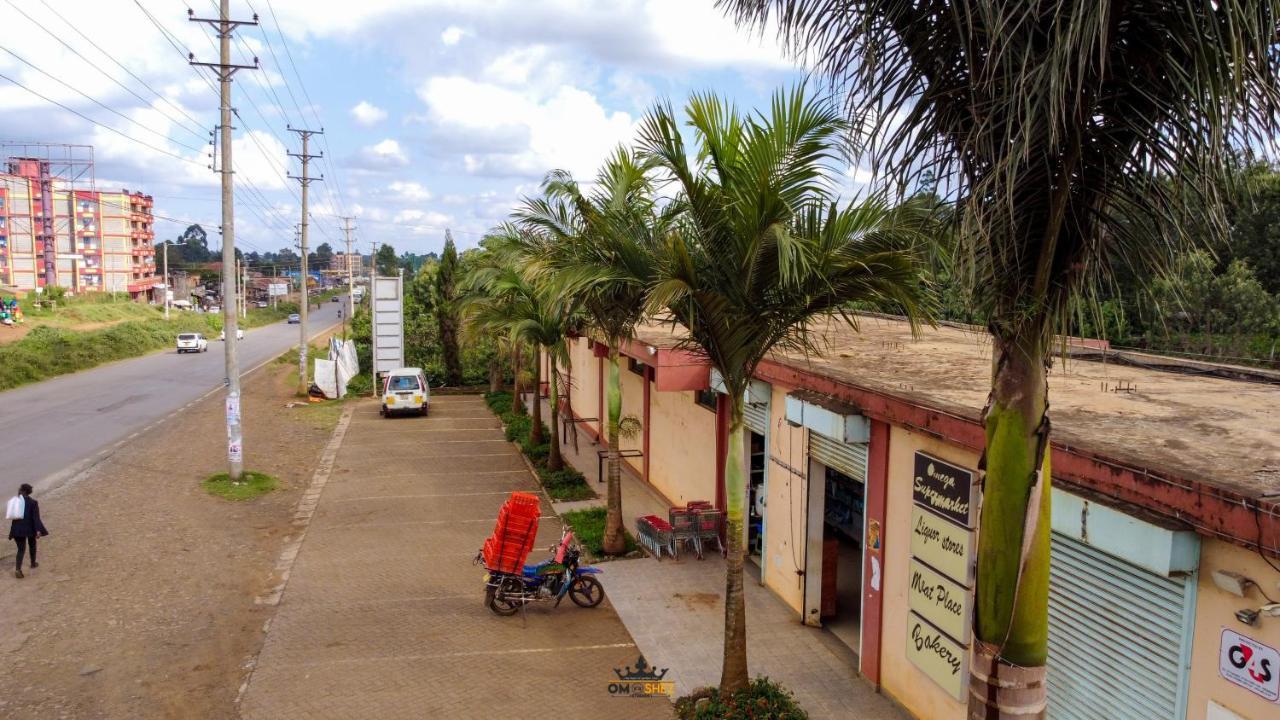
(588, 526)
(251, 485)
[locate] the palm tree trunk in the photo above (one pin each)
(554, 460)
(495, 373)
(614, 540)
(535, 432)
(1007, 672)
(733, 674)
(516, 406)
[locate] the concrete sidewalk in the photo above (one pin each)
(383, 612)
(675, 611)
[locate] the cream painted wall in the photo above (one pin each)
(784, 519)
(910, 687)
(632, 404)
(1216, 610)
(682, 447)
(585, 396)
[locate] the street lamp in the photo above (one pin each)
(168, 291)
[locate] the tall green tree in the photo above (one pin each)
(1072, 134)
(600, 250)
(446, 292)
(760, 252)
(386, 262)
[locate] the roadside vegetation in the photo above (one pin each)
(762, 698)
(251, 485)
(588, 526)
(81, 333)
(563, 484)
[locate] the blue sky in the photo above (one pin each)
(436, 113)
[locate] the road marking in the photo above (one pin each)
(463, 654)
(408, 497)
(424, 522)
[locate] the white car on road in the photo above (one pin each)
(405, 390)
(192, 342)
(222, 334)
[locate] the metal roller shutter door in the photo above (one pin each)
(1106, 618)
(848, 458)
(756, 417)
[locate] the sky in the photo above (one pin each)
(436, 113)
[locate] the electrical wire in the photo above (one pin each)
(92, 64)
(102, 125)
(93, 100)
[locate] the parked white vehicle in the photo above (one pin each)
(222, 334)
(405, 390)
(192, 342)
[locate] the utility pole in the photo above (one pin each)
(167, 290)
(224, 69)
(306, 181)
(244, 288)
(373, 325)
(351, 282)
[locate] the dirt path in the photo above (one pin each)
(143, 604)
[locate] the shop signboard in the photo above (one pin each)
(944, 545)
(944, 660)
(944, 488)
(1250, 664)
(940, 600)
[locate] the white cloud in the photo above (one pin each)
(452, 35)
(409, 191)
(367, 114)
(568, 129)
(385, 155)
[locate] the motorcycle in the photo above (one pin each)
(553, 578)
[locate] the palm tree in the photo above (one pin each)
(1071, 133)
(600, 250)
(529, 309)
(762, 250)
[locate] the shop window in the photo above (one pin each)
(635, 366)
(705, 398)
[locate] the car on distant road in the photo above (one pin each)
(215, 309)
(294, 318)
(405, 390)
(335, 299)
(192, 342)
(222, 334)
(261, 303)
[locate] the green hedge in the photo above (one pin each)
(588, 526)
(566, 484)
(763, 698)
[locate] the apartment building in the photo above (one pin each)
(84, 241)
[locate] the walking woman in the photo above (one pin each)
(24, 511)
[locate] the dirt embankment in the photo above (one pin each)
(143, 604)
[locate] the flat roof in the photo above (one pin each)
(1221, 432)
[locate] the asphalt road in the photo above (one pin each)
(52, 430)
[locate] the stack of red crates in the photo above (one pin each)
(513, 537)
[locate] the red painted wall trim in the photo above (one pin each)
(1211, 511)
(876, 502)
(648, 377)
(600, 395)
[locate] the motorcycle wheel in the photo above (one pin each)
(495, 597)
(586, 591)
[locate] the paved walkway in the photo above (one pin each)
(382, 616)
(675, 612)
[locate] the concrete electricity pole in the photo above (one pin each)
(224, 69)
(351, 282)
(373, 325)
(306, 181)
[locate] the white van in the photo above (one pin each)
(405, 390)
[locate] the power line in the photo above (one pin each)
(101, 125)
(86, 96)
(108, 55)
(92, 64)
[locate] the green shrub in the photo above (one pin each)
(566, 484)
(588, 527)
(518, 427)
(763, 698)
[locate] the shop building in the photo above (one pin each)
(863, 504)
